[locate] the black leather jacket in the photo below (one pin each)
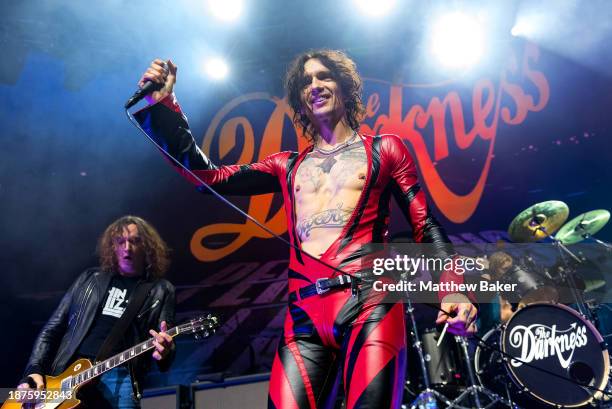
(61, 336)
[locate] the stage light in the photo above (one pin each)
(375, 8)
(226, 10)
(521, 28)
(216, 68)
(527, 25)
(458, 40)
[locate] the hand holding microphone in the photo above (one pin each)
(156, 83)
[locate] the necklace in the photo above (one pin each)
(337, 148)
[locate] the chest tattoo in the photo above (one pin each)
(333, 170)
(327, 164)
(330, 218)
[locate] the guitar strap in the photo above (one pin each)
(118, 332)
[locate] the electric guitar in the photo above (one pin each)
(61, 390)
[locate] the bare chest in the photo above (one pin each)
(322, 178)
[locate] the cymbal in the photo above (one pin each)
(587, 223)
(592, 285)
(527, 226)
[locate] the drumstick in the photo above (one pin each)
(442, 334)
(452, 314)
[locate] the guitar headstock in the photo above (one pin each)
(201, 327)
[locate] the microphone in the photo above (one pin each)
(146, 89)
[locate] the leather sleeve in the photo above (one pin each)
(49, 338)
(411, 198)
(167, 314)
(166, 124)
(413, 203)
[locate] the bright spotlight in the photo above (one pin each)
(375, 8)
(226, 10)
(522, 28)
(216, 68)
(458, 40)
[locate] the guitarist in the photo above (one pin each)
(133, 260)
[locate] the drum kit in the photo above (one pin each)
(549, 353)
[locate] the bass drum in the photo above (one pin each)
(562, 350)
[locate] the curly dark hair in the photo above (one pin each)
(343, 71)
(157, 253)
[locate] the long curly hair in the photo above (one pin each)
(343, 71)
(157, 253)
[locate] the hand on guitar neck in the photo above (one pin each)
(163, 343)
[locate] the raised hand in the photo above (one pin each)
(160, 72)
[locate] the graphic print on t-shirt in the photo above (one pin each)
(115, 302)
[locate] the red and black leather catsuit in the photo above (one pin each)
(333, 335)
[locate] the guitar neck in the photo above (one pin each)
(116, 360)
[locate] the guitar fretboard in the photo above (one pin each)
(117, 360)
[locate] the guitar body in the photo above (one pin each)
(77, 367)
(54, 383)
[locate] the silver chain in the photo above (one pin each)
(337, 148)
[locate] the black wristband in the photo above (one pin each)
(29, 380)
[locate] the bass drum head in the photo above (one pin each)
(493, 374)
(566, 347)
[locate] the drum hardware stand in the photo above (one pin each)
(587, 235)
(428, 396)
(604, 305)
(568, 276)
(606, 400)
(538, 226)
(473, 389)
